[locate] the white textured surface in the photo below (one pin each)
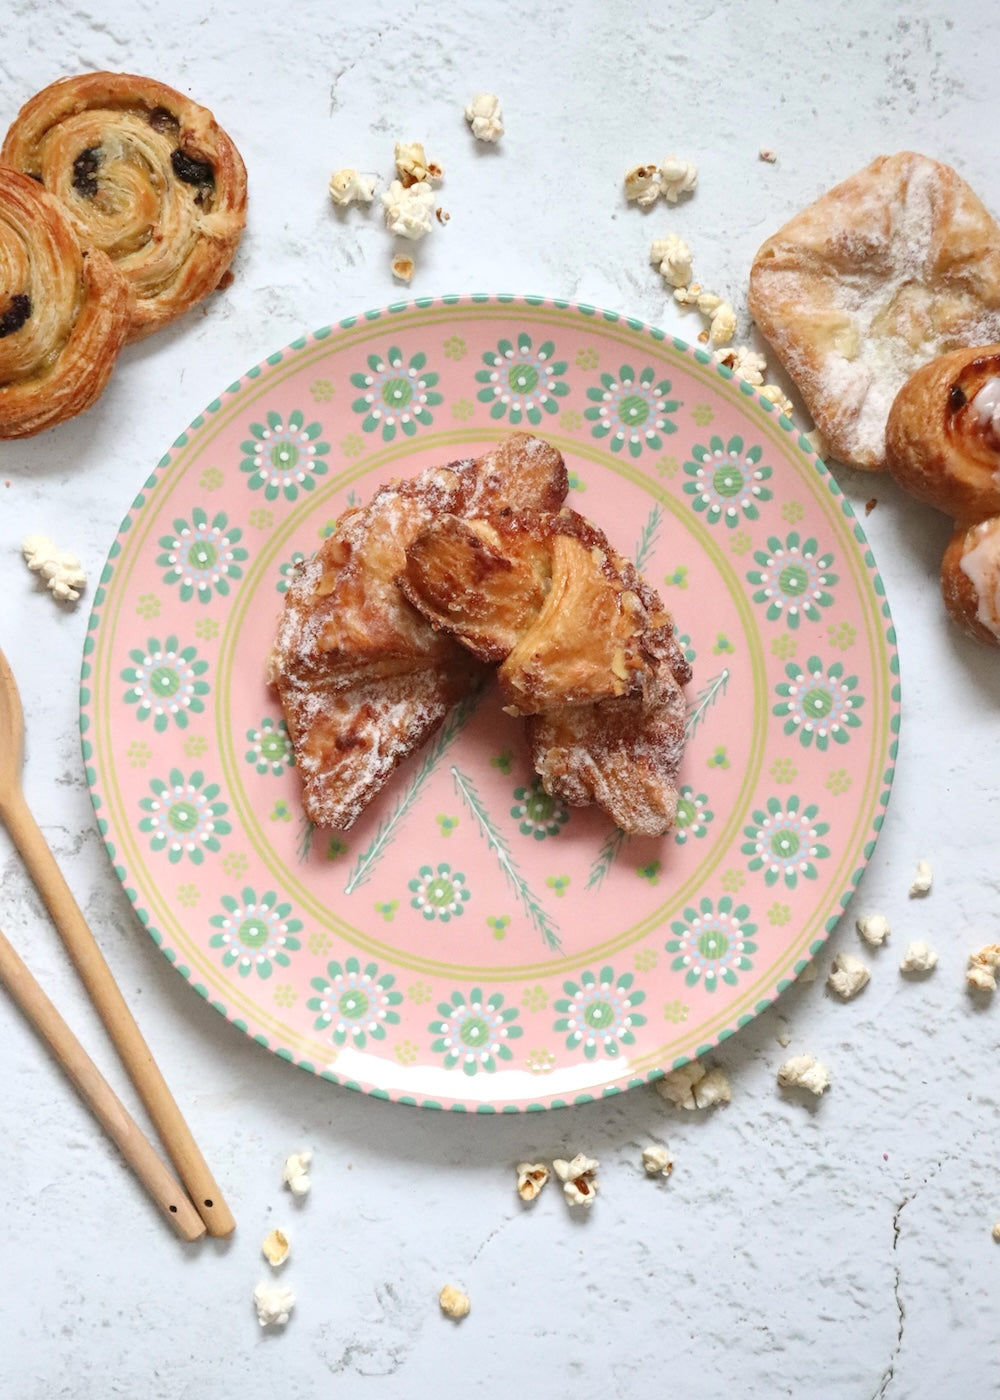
(838, 1247)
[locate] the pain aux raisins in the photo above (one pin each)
(85, 172)
(18, 311)
(162, 119)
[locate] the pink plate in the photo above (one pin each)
(471, 943)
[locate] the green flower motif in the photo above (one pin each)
(285, 994)
(521, 382)
(396, 395)
(206, 629)
(261, 518)
(419, 993)
(352, 445)
(838, 782)
(463, 409)
(740, 542)
(784, 647)
(235, 864)
(498, 924)
(439, 894)
(148, 606)
(726, 482)
(455, 348)
(719, 757)
(650, 872)
(474, 1031)
(842, 635)
(559, 884)
(255, 934)
(570, 421)
(504, 761)
(733, 880)
(784, 841)
(164, 683)
(535, 999)
(281, 811)
(667, 467)
(211, 479)
(687, 646)
(270, 748)
(576, 483)
(354, 1002)
(678, 578)
(712, 944)
(322, 390)
(723, 646)
(793, 579)
(284, 458)
(693, 815)
(817, 704)
(447, 824)
(783, 770)
(702, 413)
(185, 817)
(646, 959)
(539, 1062)
(792, 511)
(288, 570)
(320, 942)
(631, 410)
(188, 896)
(195, 745)
(202, 556)
(538, 814)
(406, 1052)
(779, 914)
(587, 359)
(387, 909)
(598, 1012)
(336, 848)
(676, 1011)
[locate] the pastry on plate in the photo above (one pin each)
(896, 265)
(943, 435)
(970, 579)
(64, 314)
(146, 175)
(363, 678)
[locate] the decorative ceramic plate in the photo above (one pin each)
(472, 943)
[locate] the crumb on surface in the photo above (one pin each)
(870, 504)
(453, 1302)
(766, 154)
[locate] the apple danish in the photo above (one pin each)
(65, 316)
(147, 177)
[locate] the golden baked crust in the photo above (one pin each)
(939, 446)
(898, 264)
(362, 677)
(147, 177)
(65, 315)
(970, 579)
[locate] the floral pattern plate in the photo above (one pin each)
(471, 943)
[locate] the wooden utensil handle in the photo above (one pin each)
(97, 1093)
(118, 1020)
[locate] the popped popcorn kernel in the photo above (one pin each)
(996, 1232)
(642, 185)
(275, 1248)
(274, 1303)
(804, 1072)
(63, 573)
(779, 398)
(745, 363)
(672, 256)
(408, 211)
(657, 1161)
(922, 881)
(412, 164)
(531, 1177)
(693, 1086)
(295, 1173)
(485, 117)
(722, 324)
(403, 268)
(873, 928)
(982, 970)
(848, 976)
(578, 1178)
(688, 296)
(453, 1302)
(677, 177)
(349, 186)
(766, 154)
(919, 957)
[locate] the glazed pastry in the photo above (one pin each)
(64, 317)
(896, 265)
(362, 677)
(970, 579)
(943, 435)
(147, 177)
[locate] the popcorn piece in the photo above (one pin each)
(982, 969)
(348, 186)
(442, 216)
(688, 296)
(657, 1161)
(873, 928)
(804, 1072)
(848, 976)
(642, 185)
(708, 302)
(692, 1086)
(919, 957)
(996, 1232)
(413, 166)
(578, 1179)
(722, 326)
(779, 398)
(408, 212)
(275, 1248)
(274, 1303)
(783, 1039)
(296, 1173)
(765, 153)
(62, 571)
(531, 1177)
(922, 881)
(673, 258)
(453, 1302)
(745, 363)
(403, 268)
(677, 177)
(485, 117)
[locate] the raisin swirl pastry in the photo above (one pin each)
(64, 316)
(146, 175)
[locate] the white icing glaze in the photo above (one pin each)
(981, 566)
(987, 404)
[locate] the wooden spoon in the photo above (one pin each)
(94, 971)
